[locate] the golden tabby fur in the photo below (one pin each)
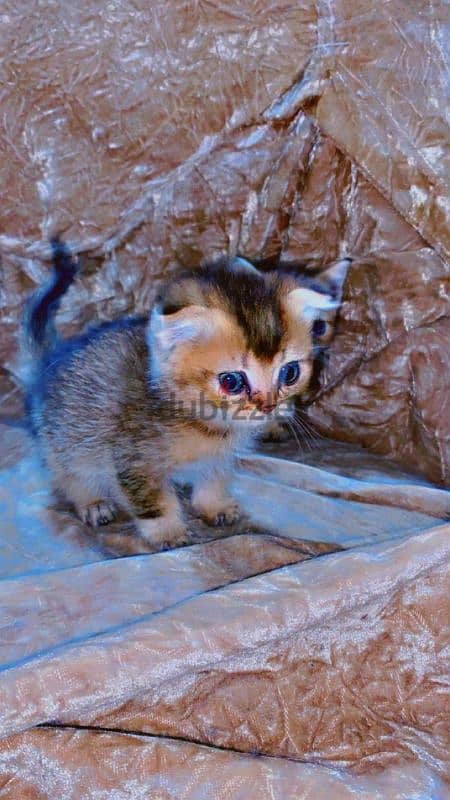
(118, 410)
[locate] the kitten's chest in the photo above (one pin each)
(189, 445)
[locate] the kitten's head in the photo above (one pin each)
(230, 345)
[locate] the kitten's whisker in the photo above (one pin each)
(303, 428)
(306, 435)
(292, 429)
(308, 438)
(308, 427)
(303, 436)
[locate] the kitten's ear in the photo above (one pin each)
(333, 278)
(189, 324)
(319, 308)
(306, 304)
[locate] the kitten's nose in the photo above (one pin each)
(263, 404)
(266, 409)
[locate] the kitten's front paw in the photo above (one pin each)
(163, 534)
(97, 514)
(226, 513)
(229, 515)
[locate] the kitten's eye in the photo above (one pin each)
(319, 327)
(289, 374)
(233, 382)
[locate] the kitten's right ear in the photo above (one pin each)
(167, 330)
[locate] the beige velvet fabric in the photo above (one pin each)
(151, 135)
(304, 652)
(169, 672)
(66, 764)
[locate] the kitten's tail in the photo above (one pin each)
(39, 323)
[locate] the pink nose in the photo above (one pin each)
(268, 408)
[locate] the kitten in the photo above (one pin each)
(118, 409)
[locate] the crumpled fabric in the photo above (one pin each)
(154, 135)
(301, 653)
(138, 768)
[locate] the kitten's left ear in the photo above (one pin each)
(333, 278)
(306, 304)
(318, 305)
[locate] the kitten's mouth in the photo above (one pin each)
(242, 414)
(222, 414)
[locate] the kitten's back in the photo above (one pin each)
(84, 382)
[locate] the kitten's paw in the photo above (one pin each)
(97, 514)
(227, 513)
(228, 516)
(163, 534)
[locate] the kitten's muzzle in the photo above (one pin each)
(267, 409)
(263, 404)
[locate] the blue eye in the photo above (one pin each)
(319, 327)
(233, 382)
(289, 374)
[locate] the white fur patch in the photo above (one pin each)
(167, 330)
(308, 305)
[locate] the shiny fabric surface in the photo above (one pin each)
(302, 653)
(318, 640)
(143, 768)
(154, 135)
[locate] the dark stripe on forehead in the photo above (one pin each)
(253, 300)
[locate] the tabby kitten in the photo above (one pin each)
(118, 409)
